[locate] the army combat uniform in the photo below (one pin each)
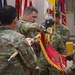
(58, 44)
(64, 32)
(29, 29)
(10, 42)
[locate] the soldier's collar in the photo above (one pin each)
(3, 27)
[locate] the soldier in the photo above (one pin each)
(58, 45)
(13, 44)
(55, 39)
(27, 27)
(61, 29)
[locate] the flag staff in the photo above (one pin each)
(54, 17)
(53, 3)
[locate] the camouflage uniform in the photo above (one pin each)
(58, 44)
(10, 42)
(64, 32)
(45, 67)
(29, 29)
(71, 70)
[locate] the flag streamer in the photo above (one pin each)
(21, 6)
(53, 4)
(61, 8)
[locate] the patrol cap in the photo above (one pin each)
(49, 22)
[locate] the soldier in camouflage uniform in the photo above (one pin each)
(55, 39)
(61, 29)
(27, 27)
(58, 45)
(70, 70)
(11, 42)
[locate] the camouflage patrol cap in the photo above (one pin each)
(49, 22)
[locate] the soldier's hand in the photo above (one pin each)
(48, 31)
(30, 41)
(64, 70)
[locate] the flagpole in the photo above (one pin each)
(54, 17)
(53, 3)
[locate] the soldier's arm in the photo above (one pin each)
(66, 34)
(27, 54)
(33, 26)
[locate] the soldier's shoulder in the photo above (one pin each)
(13, 34)
(20, 22)
(65, 27)
(16, 34)
(17, 38)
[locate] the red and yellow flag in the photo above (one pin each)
(52, 56)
